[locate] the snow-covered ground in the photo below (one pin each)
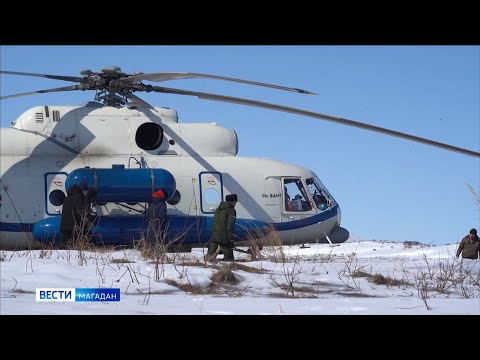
(361, 277)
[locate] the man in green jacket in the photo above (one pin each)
(222, 229)
(469, 246)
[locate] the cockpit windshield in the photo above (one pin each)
(295, 195)
(320, 196)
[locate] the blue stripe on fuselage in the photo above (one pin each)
(188, 229)
(16, 227)
(310, 220)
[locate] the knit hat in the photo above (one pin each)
(159, 194)
(473, 231)
(231, 197)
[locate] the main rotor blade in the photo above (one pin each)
(56, 77)
(65, 88)
(316, 115)
(165, 76)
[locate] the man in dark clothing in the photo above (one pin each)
(76, 217)
(469, 246)
(156, 217)
(222, 229)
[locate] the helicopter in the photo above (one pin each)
(125, 148)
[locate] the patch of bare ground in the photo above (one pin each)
(121, 261)
(355, 294)
(249, 269)
(379, 279)
(225, 275)
(21, 291)
(192, 263)
(192, 289)
(386, 280)
(299, 293)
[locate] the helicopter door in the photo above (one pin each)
(55, 192)
(296, 203)
(211, 191)
(272, 196)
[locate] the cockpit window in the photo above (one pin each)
(319, 196)
(295, 196)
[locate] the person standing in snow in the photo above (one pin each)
(76, 213)
(156, 217)
(223, 229)
(469, 248)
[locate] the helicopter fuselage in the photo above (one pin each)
(123, 153)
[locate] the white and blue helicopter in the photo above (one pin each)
(125, 149)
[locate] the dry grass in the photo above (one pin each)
(355, 294)
(290, 273)
(284, 295)
(305, 289)
(359, 273)
(197, 263)
(352, 266)
(82, 238)
(45, 254)
(192, 289)
(249, 269)
(379, 279)
(121, 261)
(20, 291)
(156, 251)
(225, 275)
(385, 280)
(299, 293)
(410, 244)
(269, 241)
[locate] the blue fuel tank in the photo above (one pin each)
(124, 185)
